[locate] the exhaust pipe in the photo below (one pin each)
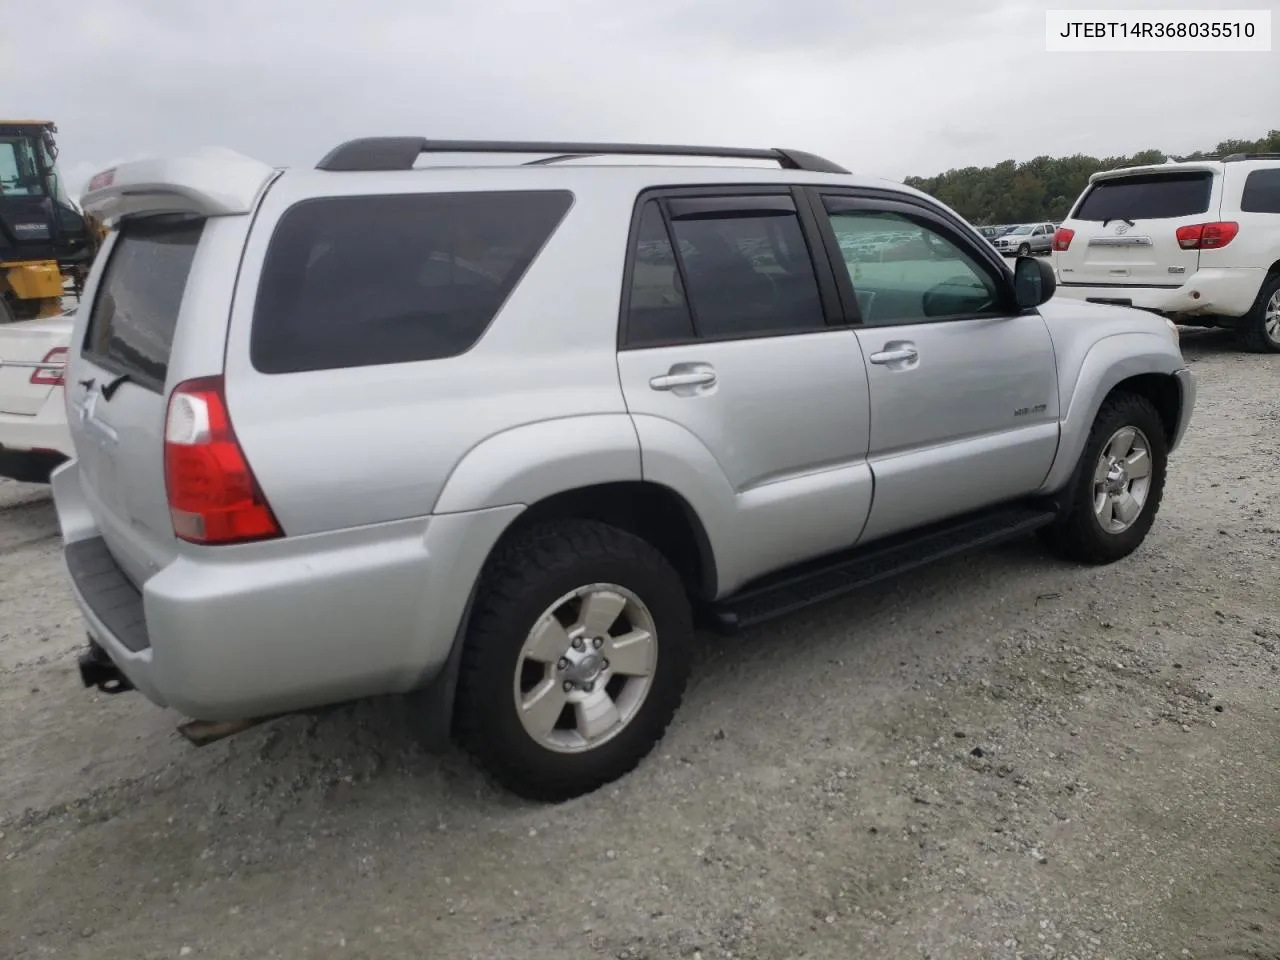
(97, 670)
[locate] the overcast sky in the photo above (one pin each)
(891, 87)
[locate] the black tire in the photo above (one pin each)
(522, 579)
(1024, 250)
(1253, 326)
(6, 312)
(1079, 535)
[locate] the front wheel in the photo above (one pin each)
(1024, 250)
(1118, 487)
(575, 661)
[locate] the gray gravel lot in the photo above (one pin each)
(1003, 756)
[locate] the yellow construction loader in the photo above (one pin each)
(46, 243)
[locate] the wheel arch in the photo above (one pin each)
(1144, 363)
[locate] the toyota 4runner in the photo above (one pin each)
(1198, 242)
(497, 435)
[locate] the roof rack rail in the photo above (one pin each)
(401, 153)
(1237, 157)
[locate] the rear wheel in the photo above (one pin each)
(1260, 329)
(1119, 484)
(575, 661)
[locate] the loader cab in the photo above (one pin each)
(42, 233)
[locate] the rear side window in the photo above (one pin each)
(131, 324)
(361, 281)
(1157, 196)
(1261, 192)
(657, 311)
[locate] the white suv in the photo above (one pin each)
(1197, 241)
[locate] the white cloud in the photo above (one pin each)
(880, 87)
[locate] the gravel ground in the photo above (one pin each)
(1004, 756)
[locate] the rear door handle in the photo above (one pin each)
(684, 375)
(903, 354)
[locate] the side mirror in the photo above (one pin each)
(1033, 282)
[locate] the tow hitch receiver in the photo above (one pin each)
(97, 670)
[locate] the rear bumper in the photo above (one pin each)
(46, 430)
(262, 629)
(1225, 293)
(31, 446)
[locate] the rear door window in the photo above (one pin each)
(746, 266)
(131, 324)
(1261, 192)
(362, 281)
(1147, 197)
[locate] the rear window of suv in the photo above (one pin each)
(131, 324)
(362, 281)
(1158, 196)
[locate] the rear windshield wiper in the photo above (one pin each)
(1125, 219)
(109, 389)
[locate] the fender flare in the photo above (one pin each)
(525, 464)
(1108, 363)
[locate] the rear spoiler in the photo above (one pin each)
(1191, 167)
(212, 183)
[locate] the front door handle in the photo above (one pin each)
(684, 375)
(902, 354)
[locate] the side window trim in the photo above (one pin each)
(883, 201)
(773, 196)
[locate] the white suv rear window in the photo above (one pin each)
(131, 325)
(1157, 196)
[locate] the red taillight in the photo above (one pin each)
(1207, 236)
(51, 376)
(1062, 238)
(213, 495)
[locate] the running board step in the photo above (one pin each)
(841, 573)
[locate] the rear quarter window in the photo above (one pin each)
(1261, 192)
(363, 281)
(131, 322)
(1159, 196)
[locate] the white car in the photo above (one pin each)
(33, 421)
(1197, 241)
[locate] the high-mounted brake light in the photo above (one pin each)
(1062, 238)
(1207, 236)
(51, 376)
(214, 497)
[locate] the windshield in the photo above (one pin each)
(1025, 228)
(19, 172)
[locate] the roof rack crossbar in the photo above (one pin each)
(1237, 157)
(401, 153)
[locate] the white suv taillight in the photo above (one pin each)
(1062, 238)
(1207, 236)
(213, 495)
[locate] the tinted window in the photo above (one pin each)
(747, 269)
(904, 272)
(357, 281)
(1261, 192)
(131, 323)
(1149, 197)
(657, 311)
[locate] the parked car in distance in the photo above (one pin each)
(33, 422)
(1026, 239)
(1196, 241)
(493, 436)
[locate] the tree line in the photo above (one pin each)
(1046, 187)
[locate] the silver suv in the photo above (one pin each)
(1026, 239)
(492, 434)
